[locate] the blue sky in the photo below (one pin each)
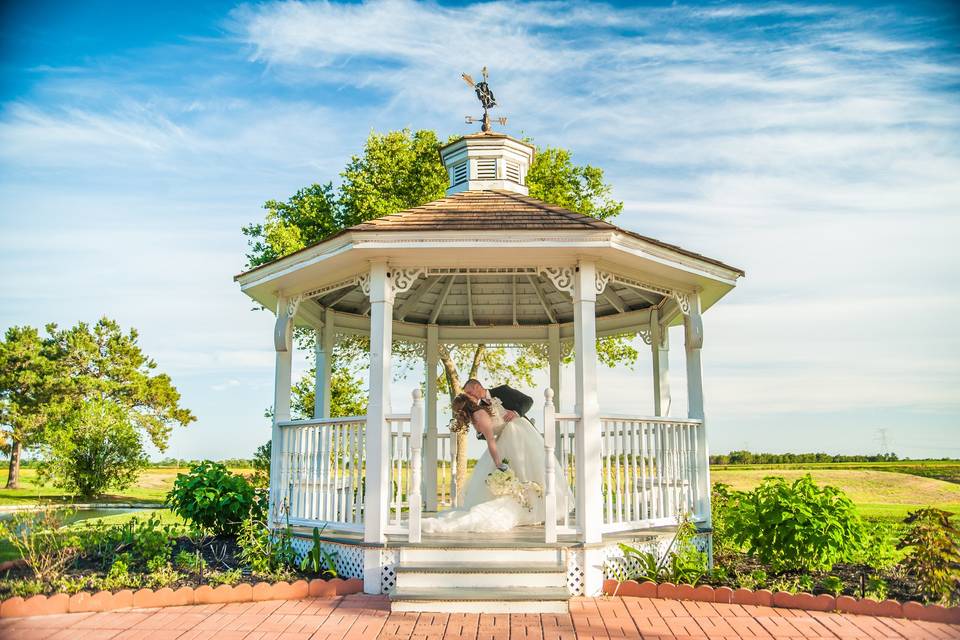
(814, 145)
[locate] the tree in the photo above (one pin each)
(95, 448)
(402, 169)
(103, 363)
(26, 392)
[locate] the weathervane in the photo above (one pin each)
(485, 95)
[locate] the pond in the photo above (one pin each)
(87, 514)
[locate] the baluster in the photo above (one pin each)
(416, 440)
(550, 494)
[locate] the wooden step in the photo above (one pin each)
(455, 576)
(482, 567)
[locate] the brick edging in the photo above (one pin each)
(823, 602)
(166, 597)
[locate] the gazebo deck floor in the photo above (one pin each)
(527, 537)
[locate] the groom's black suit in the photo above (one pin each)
(512, 400)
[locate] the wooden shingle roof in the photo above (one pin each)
(502, 210)
(483, 211)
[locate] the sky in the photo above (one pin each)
(814, 145)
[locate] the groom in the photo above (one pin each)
(515, 402)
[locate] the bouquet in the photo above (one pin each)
(505, 483)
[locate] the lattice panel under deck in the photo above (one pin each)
(575, 571)
(348, 558)
(388, 570)
(616, 566)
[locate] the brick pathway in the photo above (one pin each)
(365, 617)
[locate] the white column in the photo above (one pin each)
(550, 468)
(430, 445)
(589, 514)
(378, 435)
(660, 348)
(283, 343)
(553, 350)
(321, 405)
(693, 342)
(416, 466)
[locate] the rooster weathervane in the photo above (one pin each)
(485, 95)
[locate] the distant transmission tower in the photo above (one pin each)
(882, 437)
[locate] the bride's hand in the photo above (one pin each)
(509, 415)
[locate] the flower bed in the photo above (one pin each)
(167, 597)
(783, 599)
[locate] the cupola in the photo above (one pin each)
(487, 161)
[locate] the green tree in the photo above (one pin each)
(104, 363)
(26, 392)
(402, 169)
(94, 449)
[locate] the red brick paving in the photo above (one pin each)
(362, 617)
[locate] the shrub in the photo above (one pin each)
(119, 576)
(21, 587)
(192, 562)
(162, 576)
(40, 539)
(681, 563)
(267, 552)
(217, 578)
(719, 502)
(145, 540)
(96, 448)
(934, 553)
(833, 584)
(795, 526)
(212, 499)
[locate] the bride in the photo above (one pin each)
(514, 444)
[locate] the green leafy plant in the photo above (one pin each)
(162, 575)
(212, 498)
(119, 575)
(682, 562)
(41, 539)
(317, 560)
(192, 562)
(805, 583)
(797, 525)
(73, 584)
(833, 585)
(719, 574)
(784, 583)
(756, 579)
(877, 589)
(720, 498)
(231, 577)
(933, 557)
(266, 551)
(22, 587)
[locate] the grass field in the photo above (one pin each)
(152, 488)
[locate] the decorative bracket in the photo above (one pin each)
(284, 325)
(403, 278)
(646, 335)
(602, 279)
(683, 301)
(364, 281)
(561, 277)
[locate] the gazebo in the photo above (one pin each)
(487, 264)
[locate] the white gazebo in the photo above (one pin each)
(487, 264)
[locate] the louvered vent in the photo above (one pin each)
(513, 172)
(460, 173)
(486, 168)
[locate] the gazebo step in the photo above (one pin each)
(482, 600)
(478, 555)
(478, 575)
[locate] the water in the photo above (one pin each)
(87, 514)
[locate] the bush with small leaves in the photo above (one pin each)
(192, 562)
(231, 577)
(933, 553)
(40, 538)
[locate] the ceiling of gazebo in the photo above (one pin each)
(488, 300)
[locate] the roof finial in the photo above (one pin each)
(485, 95)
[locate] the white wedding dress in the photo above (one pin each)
(518, 442)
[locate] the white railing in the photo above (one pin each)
(446, 457)
(559, 445)
(650, 471)
(321, 474)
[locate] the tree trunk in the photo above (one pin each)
(13, 477)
